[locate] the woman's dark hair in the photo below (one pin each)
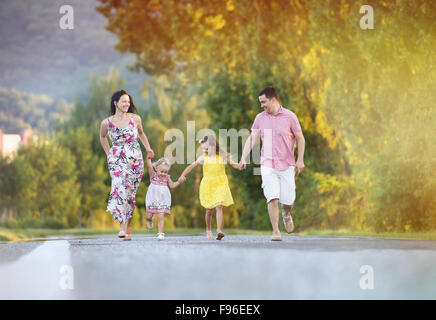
(116, 97)
(269, 93)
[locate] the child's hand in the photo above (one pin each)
(181, 179)
(235, 165)
(150, 154)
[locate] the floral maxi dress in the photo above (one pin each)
(126, 167)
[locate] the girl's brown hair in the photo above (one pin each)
(211, 140)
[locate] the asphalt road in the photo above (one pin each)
(238, 267)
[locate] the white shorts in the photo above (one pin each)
(278, 184)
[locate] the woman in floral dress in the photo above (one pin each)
(125, 162)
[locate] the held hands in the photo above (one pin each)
(299, 166)
(242, 165)
(181, 180)
(150, 154)
(235, 165)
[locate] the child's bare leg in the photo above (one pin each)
(148, 216)
(219, 218)
(209, 223)
(160, 222)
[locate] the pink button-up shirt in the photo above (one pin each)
(278, 138)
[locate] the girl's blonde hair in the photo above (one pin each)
(161, 161)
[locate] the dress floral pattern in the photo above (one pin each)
(126, 167)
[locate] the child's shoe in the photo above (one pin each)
(219, 235)
(161, 236)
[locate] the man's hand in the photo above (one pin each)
(242, 164)
(300, 166)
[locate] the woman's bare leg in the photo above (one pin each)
(128, 229)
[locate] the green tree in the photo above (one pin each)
(93, 192)
(21, 110)
(57, 192)
(363, 97)
(230, 50)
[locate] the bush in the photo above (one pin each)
(27, 222)
(10, 223)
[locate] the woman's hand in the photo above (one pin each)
(150, 154)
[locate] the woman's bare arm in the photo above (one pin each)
(104, 128)
(143, 137)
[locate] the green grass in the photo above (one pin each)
(22, 234)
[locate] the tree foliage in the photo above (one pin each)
(363, 96)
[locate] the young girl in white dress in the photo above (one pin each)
(158, 198)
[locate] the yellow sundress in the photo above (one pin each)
(214, 187)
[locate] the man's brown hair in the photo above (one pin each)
(269, 93)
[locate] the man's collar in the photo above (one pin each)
(278, 112)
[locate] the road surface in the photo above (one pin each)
(238, 267)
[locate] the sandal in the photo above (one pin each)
(127, 237)
(121, 234)
(209, 235)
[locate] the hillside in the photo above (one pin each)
(38, 57)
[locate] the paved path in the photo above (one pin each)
(238, 267)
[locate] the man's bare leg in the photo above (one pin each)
(273, 210)
(287, 218)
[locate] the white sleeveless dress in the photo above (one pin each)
(158, 198)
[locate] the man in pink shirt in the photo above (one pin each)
(278, 128)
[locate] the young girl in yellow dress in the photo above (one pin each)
(214, 187)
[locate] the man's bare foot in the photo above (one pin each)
(276, 236)
(288, 222)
